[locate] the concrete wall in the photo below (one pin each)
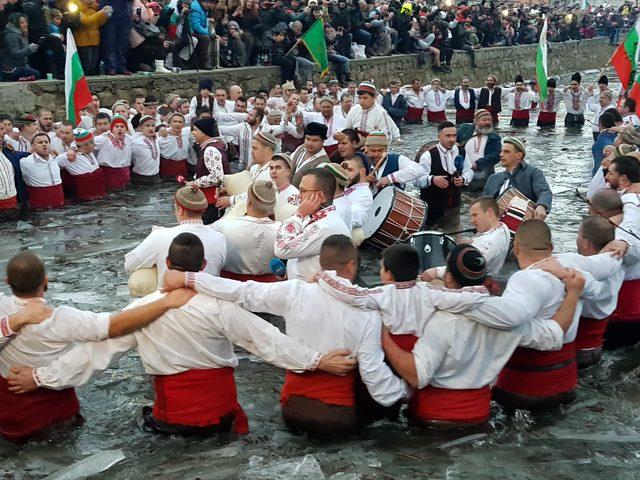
(505, 62)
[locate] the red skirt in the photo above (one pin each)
(520, 115)
(172, 168)
(465, 115)
(198, 398)
(46, 197)
(241, 277)
(436, 117)
(546, 119)
(628, 309)
(466, 406)
(590, 333)
(321, 386)
(116, 178)
(540, 374)
(10, 203)
(414, 115)
(210, 193)
(23, 415)
(405, 341)
(91, 186)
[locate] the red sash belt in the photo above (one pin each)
(23, 415)
(9, 203)
(46, 197)
(320, 386)
(590, 333)
(540, 374)
(405, 341)
(436, 117)
(198, 398)
(520, 114)
(628, 308)
(116, 178)
(91, 186)
(242, 277)
(331, 149)
(465, 116)
(67, 179)
(547, 118)
(468, 406)
(172, 168)
(414, 115)
(210, 193)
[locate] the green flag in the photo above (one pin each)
(315, 43)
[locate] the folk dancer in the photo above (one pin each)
(481, 146)
(549, 107)
(519, 99)
(490, 97)
(464, 99)
(414, 95)
(575, 98)
(175, 148)
(394, 102)
(435, 99)
(368, 116)
(326, 116)
(311, 153)
(114, 154)
(145, 153)
(389, 167)
(41, 174)
(83, 167)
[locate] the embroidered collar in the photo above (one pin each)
(403, 285)
(283, 188)
(191, 222)
(320, 214)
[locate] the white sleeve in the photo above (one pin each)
(383, 386)
(168, 145)
(84, 362)
(467, 172)
(454, 301)
(294, 240)
(265, 340)
(360, 209)
(99, 141)
(213, 162)
(70, 324)
(193, 104)
(425, 163)
(408, 171)
(144, 255)
(542, 335)
(429, 352)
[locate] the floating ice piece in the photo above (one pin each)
(464, 440)
(344, 476)
(89, 466)
(306, 469)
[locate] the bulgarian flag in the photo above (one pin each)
(625, 62)
(76, 89)
(314, 40)
(542, 74)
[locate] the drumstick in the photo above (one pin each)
(601, 214)
(379, 164)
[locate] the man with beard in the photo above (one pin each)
(464, 100)
(357, 192)
(243, 133)
(490, 97)
(45, 122)
(481, 146)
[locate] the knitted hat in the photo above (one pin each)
(333, 81)
(622, 150)
(282, 156)
(233, 25)
(119, 103)
(267, 139)
(24, 119)
(170, 98)
(262, 195)
(82, 136)
(367, 87)
(288, 86)
(150, 101)
(118, 119)
(551, 83)
(603, 80)
(315, 128)
(205, 83)
(191, 198)
(628, 134)
(519, 144)
(274, 113)
(576, 77)
(340, 173)
(326, 100)
(467, 265)
(481, 112)
(208, 126)
(144, 119)
(376, 139)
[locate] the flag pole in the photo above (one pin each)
(595, 82)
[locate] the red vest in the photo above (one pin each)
(321, 386)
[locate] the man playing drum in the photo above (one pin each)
(389, 167)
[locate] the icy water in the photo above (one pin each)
(598, 436)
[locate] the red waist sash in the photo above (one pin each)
(465, 116)
(198, 398)
(548, 118)
(46, 197)
(242, 277)
(405, 341)
(210, 193)
(520, 114)
(23, 415)
(628, 308)
(540, 374)
(494, 287)
(91, 186)
(590, 333)
(9, 203)
(436, 117)
(469, 406)
(414, 115)
(116, 178)
(321, 386)
(172, 168)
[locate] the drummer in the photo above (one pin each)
(529, 180)
(389, 167)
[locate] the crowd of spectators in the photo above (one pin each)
(125, 36)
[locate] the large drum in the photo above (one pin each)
(515, 208)
(394, 216)
(433, 248)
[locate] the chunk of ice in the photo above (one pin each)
(89, 466)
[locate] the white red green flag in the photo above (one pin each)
(625, 62)
(542, 74)
(76, 89)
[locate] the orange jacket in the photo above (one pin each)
(91, 19)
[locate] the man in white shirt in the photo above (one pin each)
(388, 167)
(222, 104)
(627, 109)
(343, 207)
(8, 191)
(41, 173)
(368, 116)
(175, 147)
(464, 100)
(414, 95)
(82, 165)
(598, 104)
(445, 172)
(300, 237)
(358, 192)
(242, 133)
(251, 237)
(27, 127)
(310, 154)
(189, 204)
(288, 196)
(519, 99)
(114, 153)
(326, 116)
(145, 153)
(435, 99)
(62, 142)
(575, 98)
(37, 345)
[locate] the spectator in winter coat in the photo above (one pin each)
(87, 34)
(199, 24)
(15, 63)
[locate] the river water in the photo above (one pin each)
(83, 247)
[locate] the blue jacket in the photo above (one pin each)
(604, 138)
(14, 157)
(491, 149)
(528, 179)
(198, 19)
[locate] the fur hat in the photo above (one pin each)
(603, 80)
(262, 195)
(191, 198)
(551, 83)
(205, 84)
(518, 79)
(150, 101)
(315, 128)
(576, 77)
